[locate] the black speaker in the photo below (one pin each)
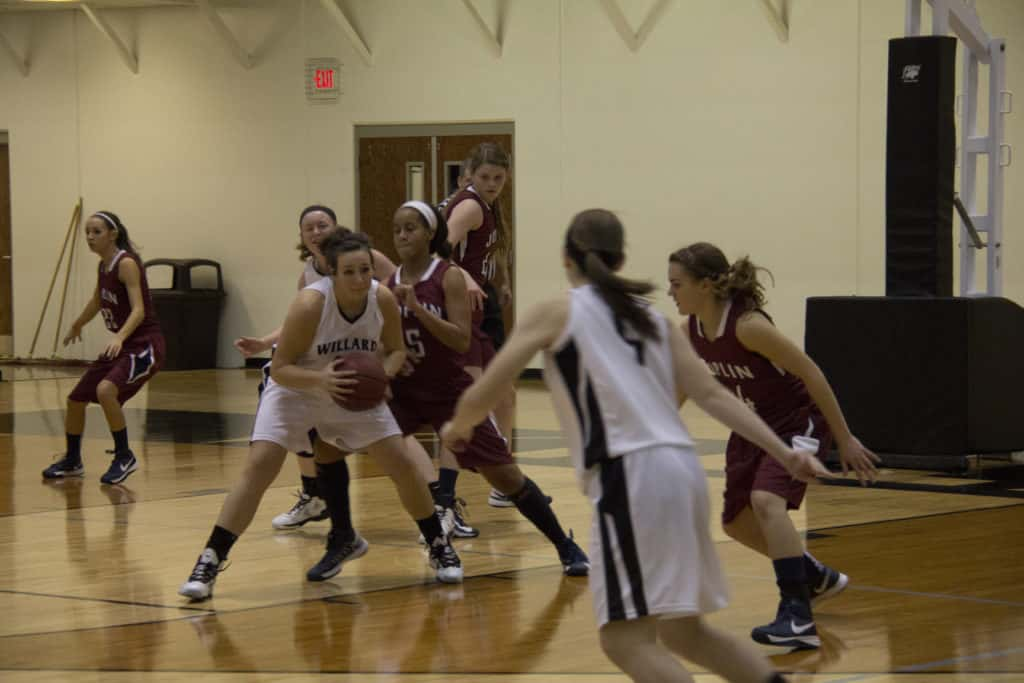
(923, 377)
(920, 156)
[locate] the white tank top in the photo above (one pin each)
(309, 273)
(614, 391)
(336, 335)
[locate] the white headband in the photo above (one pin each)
(424, 210)
(107, 219)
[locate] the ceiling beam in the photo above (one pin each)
(129, 58)
(241, 54)
(349, 30)
(778, 17)
(494, 38)
(634, 40)
(19, 61)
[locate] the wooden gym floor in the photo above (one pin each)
(89, 573)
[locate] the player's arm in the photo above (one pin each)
(92, 307)
(249, 346)
(466, 217)
(391, 333)
(696, 381)
(297, 336)
(383, 267)
(129, 275)
(757, 334)
(453, 332)
(536, 331)
(501, 275)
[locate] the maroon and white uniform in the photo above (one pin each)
(778, 397)
(429, 386)
(142, 353)
(475, 254)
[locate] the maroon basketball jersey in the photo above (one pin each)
(115, 307)
(781, 399)
(475, 254)
(433, 371)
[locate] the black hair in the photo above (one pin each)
(439, 242)
(594, 241)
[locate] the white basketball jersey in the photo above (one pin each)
(310, 274)
(613, 390)
(337, 335)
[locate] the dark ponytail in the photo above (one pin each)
(439, 242)
(594, 241)
(113, 222)
(739, 280)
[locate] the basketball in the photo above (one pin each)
(371, 380)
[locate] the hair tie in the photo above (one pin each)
(107, 219)
(424, 209)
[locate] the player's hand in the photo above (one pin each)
(854, 456)
(455, 437)
(476, 295)
(337, 381)
(249, 346)
(73, 335)
(113, 348)
(805, 466)
(505, 296)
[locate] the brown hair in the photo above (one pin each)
(704, 261)
(340, 241)
(594, 241)
(492, 153)
(305, 253)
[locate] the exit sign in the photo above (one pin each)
(323, 79)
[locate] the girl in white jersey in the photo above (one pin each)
(347, 311)
(618, 373)
(314, 222)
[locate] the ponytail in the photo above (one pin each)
(594, 242)
(704, 261)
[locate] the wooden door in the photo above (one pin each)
(391, 171)
(6, 302)
(451, 151)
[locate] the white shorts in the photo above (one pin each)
(651, 549)
(285, 417)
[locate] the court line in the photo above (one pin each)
(915, 517)
(107, 600)
(897, 591)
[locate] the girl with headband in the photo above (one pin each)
(436, 325)
(133, 354)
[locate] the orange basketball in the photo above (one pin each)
(371, 380)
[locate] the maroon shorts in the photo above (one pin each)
(131, 369)
(481, 347)
(487, 447)
(748, 468)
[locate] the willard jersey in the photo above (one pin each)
(778, 397)
(433, 371)
(337, 335)
(115, 306)
(475, 253)
(614, 391)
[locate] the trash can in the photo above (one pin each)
(189, 315)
